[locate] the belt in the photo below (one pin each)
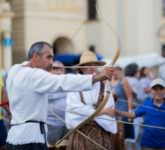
(42, 128)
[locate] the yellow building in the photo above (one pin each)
(55, 21)
(74, 25)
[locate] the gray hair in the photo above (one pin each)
(37, 48)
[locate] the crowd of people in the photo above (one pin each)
(41, 103)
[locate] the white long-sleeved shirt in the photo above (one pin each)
(76, 111)
(28, 90)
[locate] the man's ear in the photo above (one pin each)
(36, 59)
(35, 56)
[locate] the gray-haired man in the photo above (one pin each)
(28, 86)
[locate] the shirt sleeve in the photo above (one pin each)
(47, 82)
(140, 110)
(76, 111)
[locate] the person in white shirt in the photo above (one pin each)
(145, 81)
(56, 110)
(81, 105)
(28, 86)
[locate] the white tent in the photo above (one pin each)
(147, 60)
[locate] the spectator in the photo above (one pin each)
(145, 81)
(134, 94)
(120, 103)
(56, 110)
(153, 111)
(132, 78)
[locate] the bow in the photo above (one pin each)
(105, 97)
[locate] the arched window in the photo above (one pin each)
(63, 45)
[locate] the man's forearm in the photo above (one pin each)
(125, 114)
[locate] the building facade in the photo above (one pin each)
(55, 21)
(5, 34)
(75, 25)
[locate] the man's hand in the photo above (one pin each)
(106, 74)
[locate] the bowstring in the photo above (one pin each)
(108, 119)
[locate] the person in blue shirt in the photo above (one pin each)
(153, 111)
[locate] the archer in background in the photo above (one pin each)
(80, 105)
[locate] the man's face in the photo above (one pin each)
(158, 92)
(92, 69)
(45, 60)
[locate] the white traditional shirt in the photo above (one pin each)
(28, 90)
(77, 111)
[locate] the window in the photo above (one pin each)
(163, 7)
(92, 11)
(163, 51)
